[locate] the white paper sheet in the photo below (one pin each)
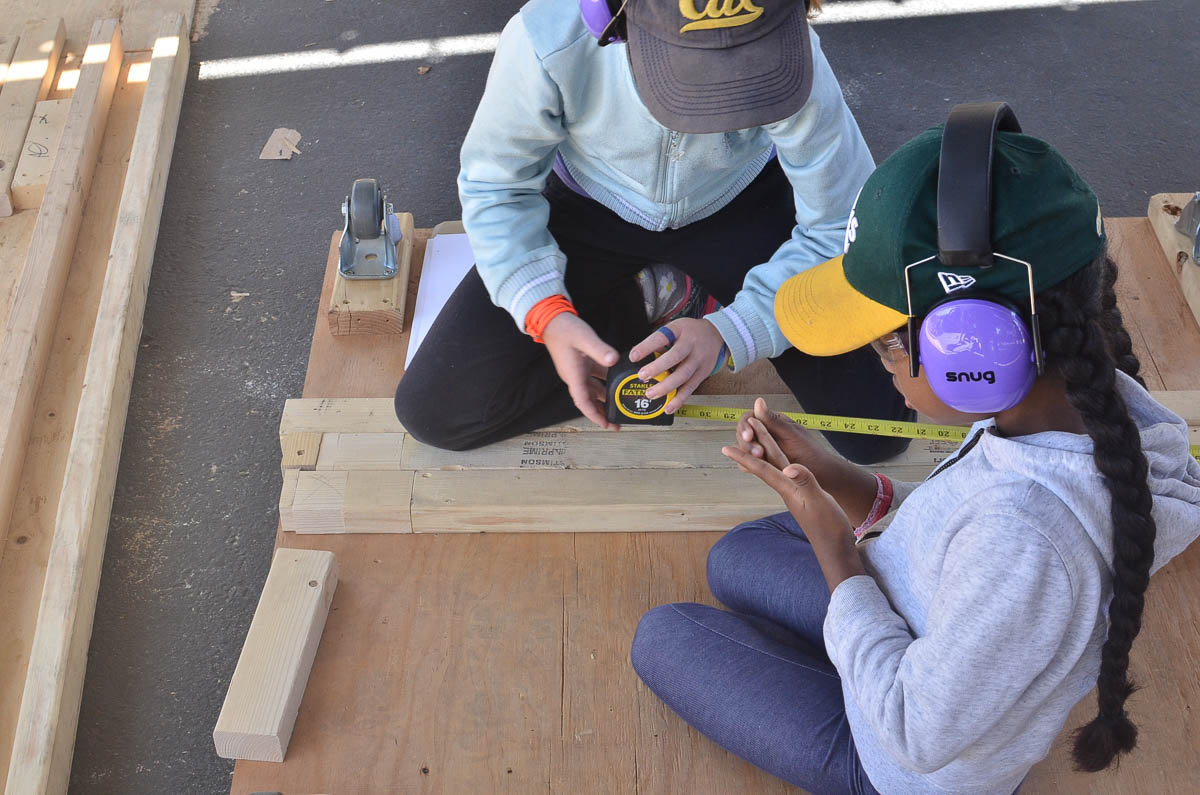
(447, 260)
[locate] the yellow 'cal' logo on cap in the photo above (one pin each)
(718, 14)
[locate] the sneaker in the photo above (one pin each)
(669, 294)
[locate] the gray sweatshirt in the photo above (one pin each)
(981, 626)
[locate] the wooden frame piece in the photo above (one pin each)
(374, 306)
(560, 480)
(37, 153)
(1163, 213)
(27, 81)
(34, 311)
(263, 699)
(53, 686)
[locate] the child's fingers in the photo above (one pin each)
(744, 432)
(771, 450)
(746, 437)
(768, 417)
(759, 468)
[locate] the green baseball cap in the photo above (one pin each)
(1042, 213)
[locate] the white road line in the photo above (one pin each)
(389, 52)
(878, 10)
(434, 50)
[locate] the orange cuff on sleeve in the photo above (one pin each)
(543, 312)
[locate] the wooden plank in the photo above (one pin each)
(1152, 301)
(53, 687)
(300, 450)
(346, 502)
(1164, 211)
(602, 603)
(374, 306)
(30, 531)
(264, 695)
(37, 153)
(612, 500)
(8, 45)
(28, 80)
(645, 451)
(15, 232)
(28, 331)
(378, 415)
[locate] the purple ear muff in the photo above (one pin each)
(977, 354)
(598, 17)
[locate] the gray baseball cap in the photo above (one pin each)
(707, 66)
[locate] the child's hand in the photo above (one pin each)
(765, 433)
(779, 442)
(815, 510)
(690, 359)
(581, 359)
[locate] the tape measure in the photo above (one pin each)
(627, 400)
(833, 422)
(627, 403)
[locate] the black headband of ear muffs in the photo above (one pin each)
(964, 196)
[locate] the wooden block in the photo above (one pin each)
(300, 450)
(325, 501)
(26, 344)
(339, 415)
(374, 306)
(50, 702)
(1164, 212)
(27, 81)
(37, 154)
(260, 708)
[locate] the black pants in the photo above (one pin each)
(478, 379)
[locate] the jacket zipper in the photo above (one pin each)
(666, 160)
(962, 452)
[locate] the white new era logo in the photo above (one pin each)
(952, 281)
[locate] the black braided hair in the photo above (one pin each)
(1085, 342)
(1120, 346)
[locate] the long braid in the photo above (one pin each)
(1074, 322)
(1119, 343)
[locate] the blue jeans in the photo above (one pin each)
(755, 678)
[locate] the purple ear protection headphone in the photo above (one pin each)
(604, 23)
(979, 354)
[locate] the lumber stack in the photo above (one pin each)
(349, 467)
(92, 131)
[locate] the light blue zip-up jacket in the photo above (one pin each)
(552, 91)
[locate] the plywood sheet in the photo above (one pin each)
(510, 652)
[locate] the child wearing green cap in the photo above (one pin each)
(944, 653)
